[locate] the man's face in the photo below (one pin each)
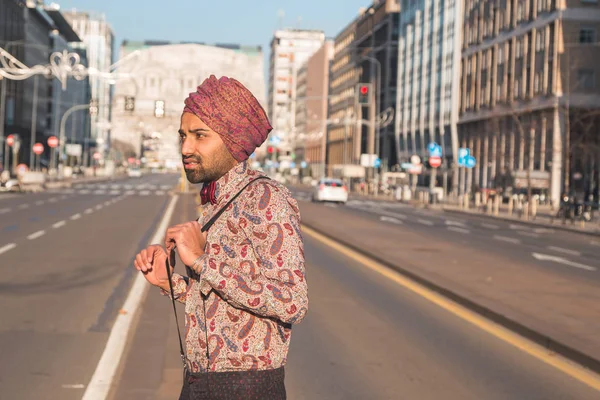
(205, 157)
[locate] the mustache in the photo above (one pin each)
(192, 159)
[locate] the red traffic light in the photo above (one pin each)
(364, 90)
(270, 150)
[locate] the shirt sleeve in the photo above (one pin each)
(258, 262)
(180, 288)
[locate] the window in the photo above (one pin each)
(517, 89)
(498, 92)
(500, 55)
(587, 35)
(539, 41)
(519, 49)
(586, 78)
(536, 83)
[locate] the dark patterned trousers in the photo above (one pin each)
(243, 385)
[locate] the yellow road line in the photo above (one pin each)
(555, 360)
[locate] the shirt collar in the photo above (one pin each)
(228, 184)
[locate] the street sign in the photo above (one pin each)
(10, 140)
(435, 162)
(463, 155)
(470, 162)
(22, 168)
(416, 169)
(38, 148)
(74, 150)
(53, 141)
(377, 162)
(303, 164)
(415, 160)
(435, 150)
(368, 160)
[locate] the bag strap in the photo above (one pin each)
(205, 228)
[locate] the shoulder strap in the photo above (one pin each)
(169, 275)
(222, 210)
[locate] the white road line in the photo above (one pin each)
(36, 235)
(546, 257)
(507, 239)
(23, 206)
(59, 224)
(425, 222)
(327, 205)
(455, 223)
(53, 200)
(63, 197)
(566, 251)
(4, 210)
(391, 219)
(107, 203)
(160, 192)
(75, 217)
(101, 381)
(144, 193)
(100, 192)
(114, 192)
(530, 234)
(490, 226)
(459, 230)
(39, 202)
(99, 207)
(6, 248)
(130, 192)
(518, 227)
(88, 211)
(84, 192)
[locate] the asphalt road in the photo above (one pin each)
(553, 249)
(65, 270)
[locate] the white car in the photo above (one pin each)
(134, 173)
(330, 189)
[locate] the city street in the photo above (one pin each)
(66, 270)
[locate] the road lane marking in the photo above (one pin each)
(59, 224)
(490, 226)
(541, 353)
(560, 260)
(8, 247)
(144, 193)
(23, 206)
(330, 205)
(101, 382)
(566, 251)
(107, 203)
(36, 235)
(99, 207)
(507, 239)
(160, 192)
(455, 223)
(84, 192)
(391, 219)
(4, 210)
(518, 227)
(53, 200)
(63, 197)
(39, 202)
(88, 211)
(100, 192)
(75, 217)
(114, 192)
(459, 230)
(425, 222)
(530, 234)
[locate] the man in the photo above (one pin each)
(246, 285)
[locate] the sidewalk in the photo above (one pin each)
(558, 311)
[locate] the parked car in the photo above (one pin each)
(329, 189)
(134, 173)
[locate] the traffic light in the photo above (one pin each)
(364, 94)
(270, 149)
(159, 108)
(129, 103)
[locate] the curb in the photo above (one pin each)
(539, 338)
(533, 223)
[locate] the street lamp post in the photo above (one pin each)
(377, 101)
(63, 122)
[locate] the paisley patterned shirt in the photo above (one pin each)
(242, 300)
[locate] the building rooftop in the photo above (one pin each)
(133, 44)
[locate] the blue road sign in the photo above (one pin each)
(293, 165)
(470, 162)
(435, 150)
(377, 162)
(303, 164)
(463, 155)
(275, 139)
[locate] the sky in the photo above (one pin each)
(245, 22)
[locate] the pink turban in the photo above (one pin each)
(229, 109)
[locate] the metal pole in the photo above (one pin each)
(63, 122)
(33, 122)
(3, 83)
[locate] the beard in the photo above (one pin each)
(205, 171)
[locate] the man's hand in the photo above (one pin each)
(152, 263)
(188, 239)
